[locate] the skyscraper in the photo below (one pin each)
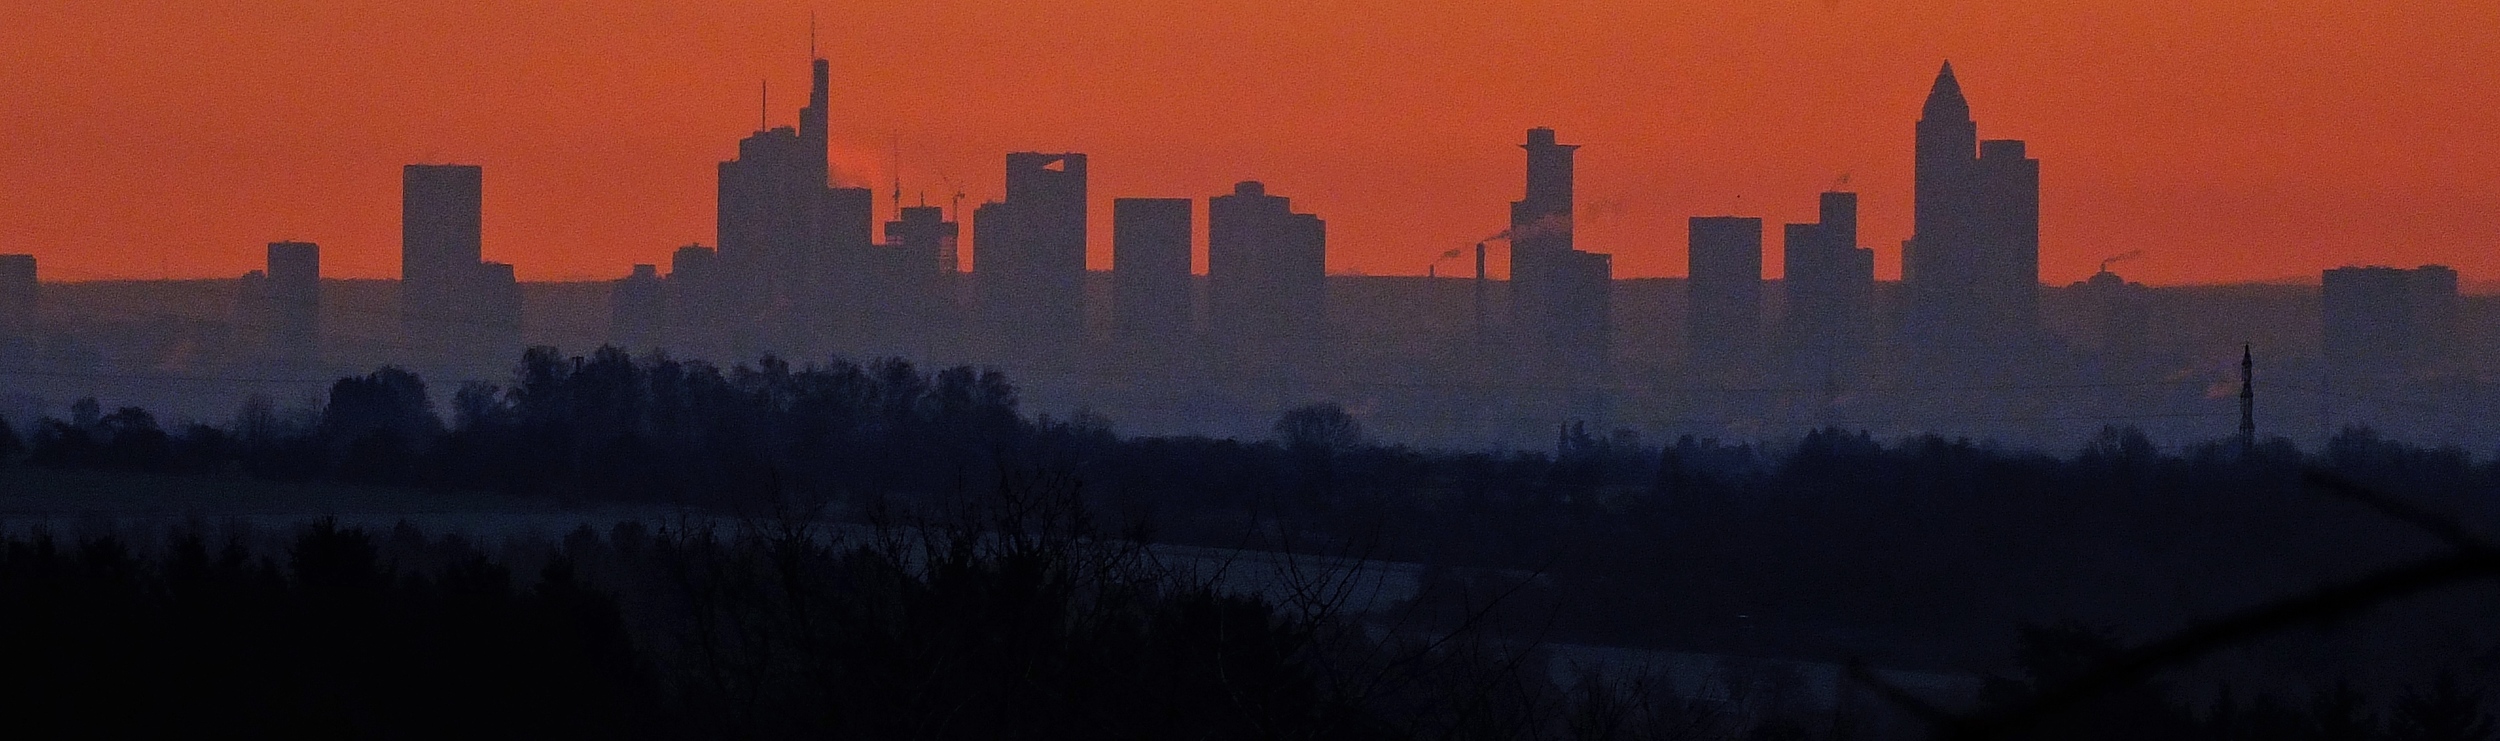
(1150, 270)
(1559, 294)
(1266, 276)
(926, 239)
(293, 307)
(697, 299)
(1972, 265)
(1029, 255)
(904, 291)
(1724, 263)
(17, 295)
(496, 332)
(442, 280)
(1829, 320)
(793, 249)
(439, 235)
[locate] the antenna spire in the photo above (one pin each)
(764, 108)
(2248, 401)
(811, 34)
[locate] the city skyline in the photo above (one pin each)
(601, 141)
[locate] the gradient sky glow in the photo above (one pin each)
(2229, 140)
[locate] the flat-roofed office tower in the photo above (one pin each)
(17, 295)
(458, 313)
(1724, 312)
(1150, 240)
(1267, 294)
(439, 234)
(439, 248)
(294, 303)
(1828, 319)
(1971, 268)
(1029, 257)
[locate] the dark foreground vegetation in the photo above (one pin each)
(1028, 625)
(1940, 555)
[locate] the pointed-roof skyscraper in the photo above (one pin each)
(1944, 99)
(1970, 268)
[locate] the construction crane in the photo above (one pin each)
(2123, 257)
(957, 208)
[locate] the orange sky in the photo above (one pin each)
(2231, 141)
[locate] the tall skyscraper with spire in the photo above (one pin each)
(1972, 264)
(789, 242)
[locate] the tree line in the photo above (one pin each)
(1923, 552)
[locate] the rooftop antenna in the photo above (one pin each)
(764, 109)
(811, 34)
(958, 188)
(898, 176)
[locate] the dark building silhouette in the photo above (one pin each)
(1150, 239)
(1724, 263)
(1972, 266)
(454, 307)
(793, 250)
(903, 291)
(2116, 314)
(17, 295)
(498, 329)
(697, 303)
(2383, 323)
(292, 312)
(638, 309)
(1029, 259)
(1266, 276)
(924, 240)
(1828, 323)
(439, 234)
(1559, 294)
